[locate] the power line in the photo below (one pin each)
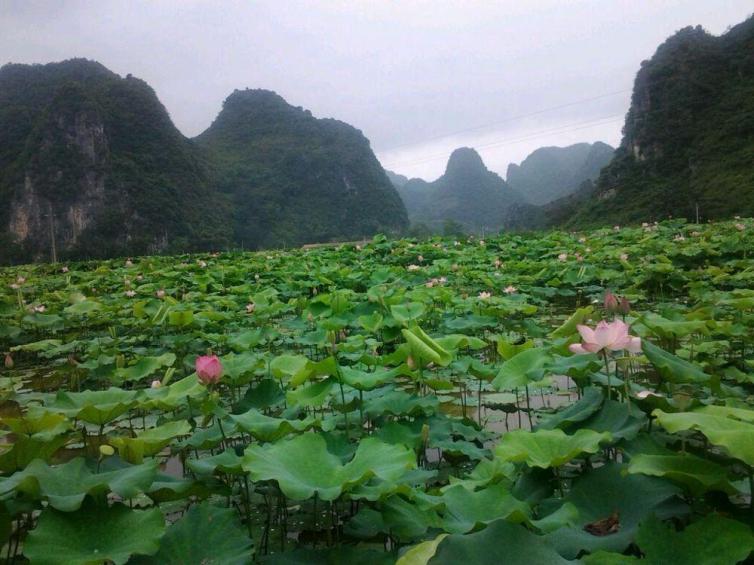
(541, 133)
(511, 119)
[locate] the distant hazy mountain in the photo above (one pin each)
(294, 178)
(468, 193)
(550, 173)
(688, 140)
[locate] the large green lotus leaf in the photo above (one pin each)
(312, 395)
(420, 554)
(454, 342)
(167, 488)
(246, 340)
(586, 406)
(43, 427)
(673, 368)
(150, 441)
(238, 368)
(144, 367)
(226, 462)
(303, 466)
(699, 475)
(609, 558)
(608, 489)
(94, 534)
(363, 380)
(569, 327)
(174, 395)
(724, 427)
(426, 348)
(548, 448)
(713, 540)
(575, 365)
(267, 428)
(94, 406)
(377, 458)
(522, 369)
(25, 449)
(465, 510)
(267, 394)
(664, 328)
(65, 486)
(617, 418)
(405, 313)
(295, 368)
(500, 542)
(205, 535)
(400, 403)
(407, 520)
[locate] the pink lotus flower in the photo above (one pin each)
(160, 293)
(413, 267)
(40, 308)
(129, 263)
(209, 369)
(484, 295)
(624, 256)
(420, 258)
(130, 293)
(562, 256)
(498, 262)
(642, 394)
(740, 226)
(510, 289)
(64, 269)
(250, 307)
(607, 335)
(156, 383)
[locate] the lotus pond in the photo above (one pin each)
(416, 402)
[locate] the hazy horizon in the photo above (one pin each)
(418, 78)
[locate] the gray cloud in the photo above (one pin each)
(404, 72)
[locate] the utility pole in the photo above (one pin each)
(51, 218)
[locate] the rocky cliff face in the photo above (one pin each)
(689, 135)
(92, 166)
(63, 190)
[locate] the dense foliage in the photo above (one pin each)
(688, 138)
(297, 179)
(449, 401)
(550, 173)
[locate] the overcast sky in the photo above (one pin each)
(419, 78)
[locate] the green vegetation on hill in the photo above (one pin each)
(688, 138)
(91, 161)
(550, 173)
(294, 178)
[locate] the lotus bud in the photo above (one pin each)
(410, 362)
(611, 302)
(120, 361)
(106, 450)
(209, 369)
(156, 383)
(8, 361)
(624, 306)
